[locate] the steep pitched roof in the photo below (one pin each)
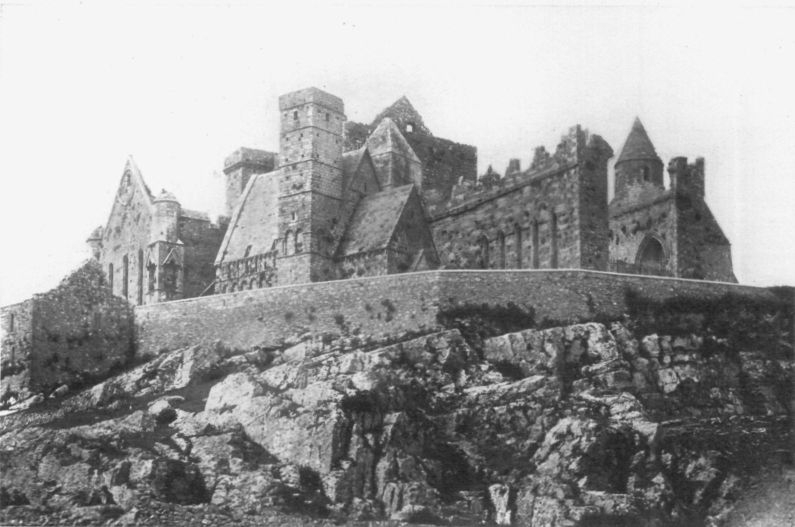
(254, 221)
(403, 113)
(133, 169)
(638, 145)
(386, 138)
(374, 221)
(351, 161)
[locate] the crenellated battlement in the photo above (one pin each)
(569, 153)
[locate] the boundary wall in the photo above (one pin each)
(397, 303)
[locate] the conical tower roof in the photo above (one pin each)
(638, 145)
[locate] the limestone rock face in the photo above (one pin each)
(587, 424)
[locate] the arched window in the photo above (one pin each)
(125, 276)
(110, 277)
(518, 238)
(152, 277)
(170, 278)
(288, 240)
(651, 257)
(140, 299)
(232, 287)
(483, 252)
(645, 173)
(410, 127)
(553, 233)
(501, 249)
(535, 244)
(253, 283)
(299, 241)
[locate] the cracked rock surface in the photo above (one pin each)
(585, 424)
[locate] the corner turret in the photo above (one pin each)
(164, 225)
(687, 179)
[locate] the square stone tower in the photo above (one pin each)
(310, 185)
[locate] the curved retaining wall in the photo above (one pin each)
(397, 303)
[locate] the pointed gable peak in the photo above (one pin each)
(406, 117)
(131, 168)
(387, 138)
(638, 145)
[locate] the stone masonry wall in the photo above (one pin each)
(74, 333)
(523, 218)
(408, 302)
(202, 240)
(630, 226)
(15, 349)
(80, 331)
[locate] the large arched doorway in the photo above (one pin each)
(651, 257)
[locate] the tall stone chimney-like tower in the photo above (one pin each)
(310, 184)
(239, 166)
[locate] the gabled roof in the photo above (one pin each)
(403, 113)
(352, 162)
(135, 176)
(374, 220)
(387, 138)
(638, 145)
(254, 221)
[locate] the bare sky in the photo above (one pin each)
(181, 85)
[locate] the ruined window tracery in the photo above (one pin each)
(140, 298)
(299, 241)
(501, 249)
(519, 247)
(125, 276)
(152, 277)
(483, 242)
(553, 263)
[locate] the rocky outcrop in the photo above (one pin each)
(587, 424)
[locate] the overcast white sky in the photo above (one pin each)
(181, 85)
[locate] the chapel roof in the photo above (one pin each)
(252, 227)
(374, 220)
(387, 137)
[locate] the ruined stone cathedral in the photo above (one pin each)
(343, 199)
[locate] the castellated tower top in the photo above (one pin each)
(311, 95)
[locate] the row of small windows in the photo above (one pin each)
(501, 261)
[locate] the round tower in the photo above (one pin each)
(94, 243)
(165, 218)
(638, 163)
